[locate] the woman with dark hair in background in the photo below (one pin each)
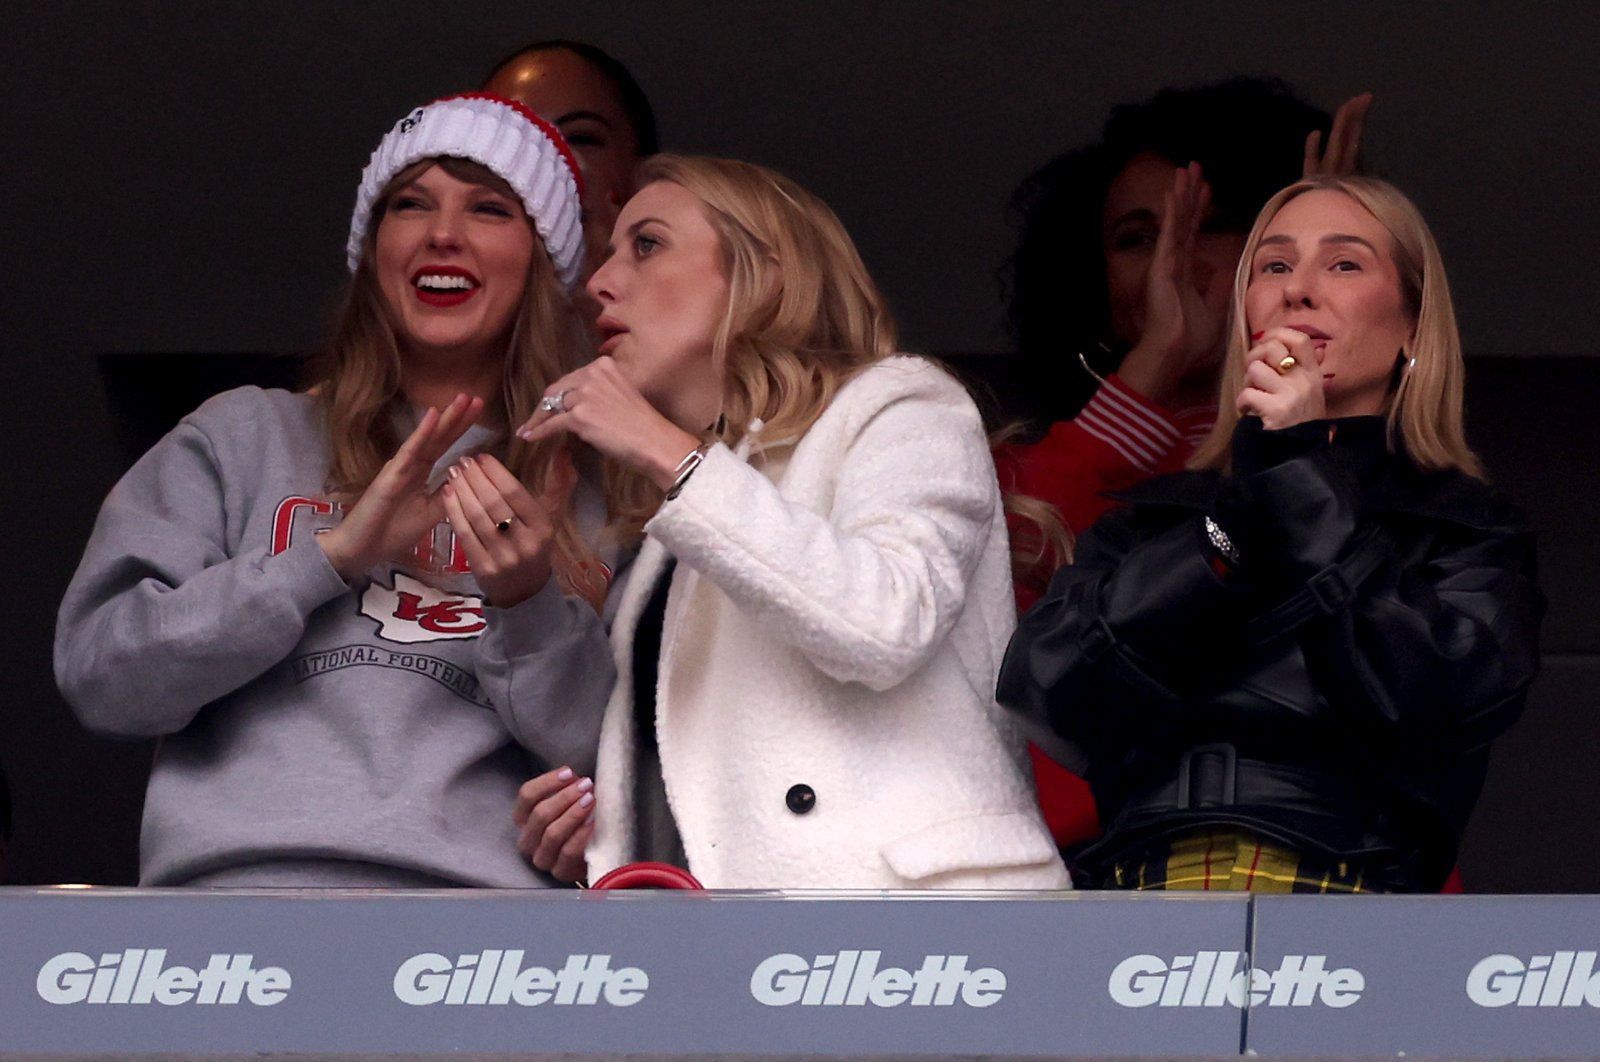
(352, 668)
(1079, 280)
(808, 638)
(1281, 672)
(1119, 297)
(600, 110)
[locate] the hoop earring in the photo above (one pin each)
(1084, 361)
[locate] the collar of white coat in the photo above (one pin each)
(753, 441)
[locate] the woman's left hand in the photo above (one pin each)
(604, 409)
(506, 532)
(555, 819)
(1282, 396)
(1342, 156)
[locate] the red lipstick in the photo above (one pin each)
(444, 286)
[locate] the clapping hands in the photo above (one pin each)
(505, 532)
(1186, 299)
(397, 508)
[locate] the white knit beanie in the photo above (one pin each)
(517, 145)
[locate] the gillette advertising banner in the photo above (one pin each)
(1088, 974)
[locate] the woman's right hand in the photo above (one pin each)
(1186, 303)
(397, 507)
(602, 407)
(1282, 397)
(555, 813)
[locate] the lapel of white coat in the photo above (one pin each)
(685, 583)
(687, 608)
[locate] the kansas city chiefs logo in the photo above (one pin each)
(413, 611)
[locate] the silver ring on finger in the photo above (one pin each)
(504, 526)
(556, 403)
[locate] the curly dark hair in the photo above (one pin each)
(1248, 134)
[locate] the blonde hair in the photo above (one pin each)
(359, 377)
(803, 315)
(1425, 409)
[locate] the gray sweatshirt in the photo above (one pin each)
(313, 732)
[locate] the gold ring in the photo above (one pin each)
(1286, 364)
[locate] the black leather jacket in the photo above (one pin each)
(1335, 689)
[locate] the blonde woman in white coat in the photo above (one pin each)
(823, 587)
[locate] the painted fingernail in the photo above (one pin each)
(564, 775)
(586, 800)
(585, 785)
(1256, 335)
(454, 471)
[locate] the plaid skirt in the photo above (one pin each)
(1234, 860)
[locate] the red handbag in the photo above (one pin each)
(648, 876)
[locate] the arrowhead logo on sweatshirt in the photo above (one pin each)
(412, 611)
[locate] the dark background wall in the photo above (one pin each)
(178, 177)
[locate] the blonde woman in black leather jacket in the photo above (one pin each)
(1281, 671)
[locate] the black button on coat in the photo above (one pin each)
(800, 798)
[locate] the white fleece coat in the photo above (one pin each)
(836, 620)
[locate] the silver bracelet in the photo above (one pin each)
(685, 469)
(1222, 543)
